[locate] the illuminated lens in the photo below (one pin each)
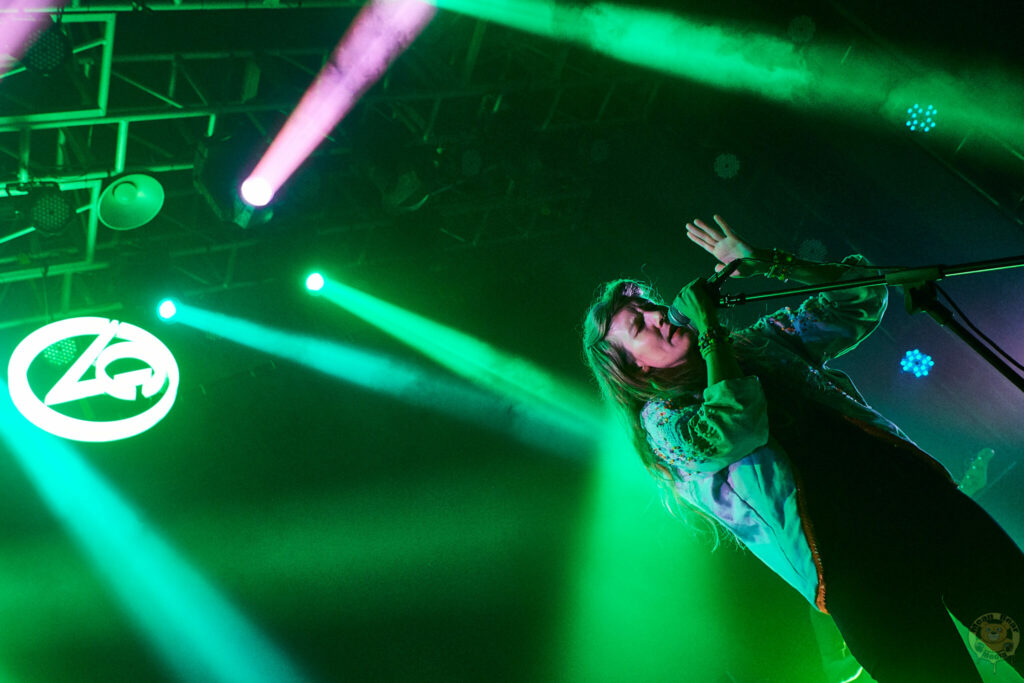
(917, 363)
(256, 191)
(167, 309)
(315, 282)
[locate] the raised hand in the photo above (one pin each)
(722, 243)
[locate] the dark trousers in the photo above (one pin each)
(889, 599)
(899, 545)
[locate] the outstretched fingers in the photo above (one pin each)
(700, 237)
(725, 227)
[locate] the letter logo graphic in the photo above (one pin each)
(114, 344)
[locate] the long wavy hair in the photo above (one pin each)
(628, 389)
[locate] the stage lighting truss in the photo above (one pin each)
(83, 41)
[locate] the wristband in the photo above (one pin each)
(782, 262)
(711, 338)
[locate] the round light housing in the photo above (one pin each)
(256, 191)
(167, 309)
(315, 282)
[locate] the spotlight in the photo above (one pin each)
(917, 363)
(315, 282)
(256, 191)
(167, 309)
(130, 202)
(221, 163)
(49, 211)
(42, 208)
(921, 119)
(50, 50)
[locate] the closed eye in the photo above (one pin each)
(638, 323)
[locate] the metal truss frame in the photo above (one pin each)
(145, 100)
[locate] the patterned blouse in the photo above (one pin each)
(717, 443)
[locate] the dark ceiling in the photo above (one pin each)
(371, 538)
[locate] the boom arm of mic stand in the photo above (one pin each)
(919, 295)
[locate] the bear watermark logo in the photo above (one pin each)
(994, 636)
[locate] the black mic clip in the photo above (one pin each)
(713, 284)
(730, 300)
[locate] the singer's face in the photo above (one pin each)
(649, 337)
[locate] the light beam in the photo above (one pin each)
(477, 361)
(380, 33)
(527, 420)
(819, 76)
(194, 630)
(18, 21)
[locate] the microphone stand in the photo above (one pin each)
(918, 295)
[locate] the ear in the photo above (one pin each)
(644, 369)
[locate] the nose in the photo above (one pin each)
(656, 318)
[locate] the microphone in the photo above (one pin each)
(713, 283)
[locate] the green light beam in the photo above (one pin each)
(631, 585)
(480, 363)
(525, 419)
(812, 77)
(192, 628)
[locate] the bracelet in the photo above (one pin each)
(782, 261)
(711, 338)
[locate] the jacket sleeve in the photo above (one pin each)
(727, 425)
(831, 323)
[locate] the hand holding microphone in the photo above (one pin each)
(732, 253)
(697, 301)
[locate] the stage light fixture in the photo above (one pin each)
(256, 191)
(921, 119)
(49, 210)
(50, 49)
(130, 202)
(917, 363)
(40, 207)
(315, 282)
(221, 162)
(167, 309)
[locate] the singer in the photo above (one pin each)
(752, 431)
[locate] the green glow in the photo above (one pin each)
(657, 40)
(196, 632)
(632, 585)
(526, 420)
(7, 678)
(822, 77)
(647, 600)
(574, 409)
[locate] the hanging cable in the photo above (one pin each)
(995, 347)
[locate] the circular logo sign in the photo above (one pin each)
(994, 636)
(146, 366)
